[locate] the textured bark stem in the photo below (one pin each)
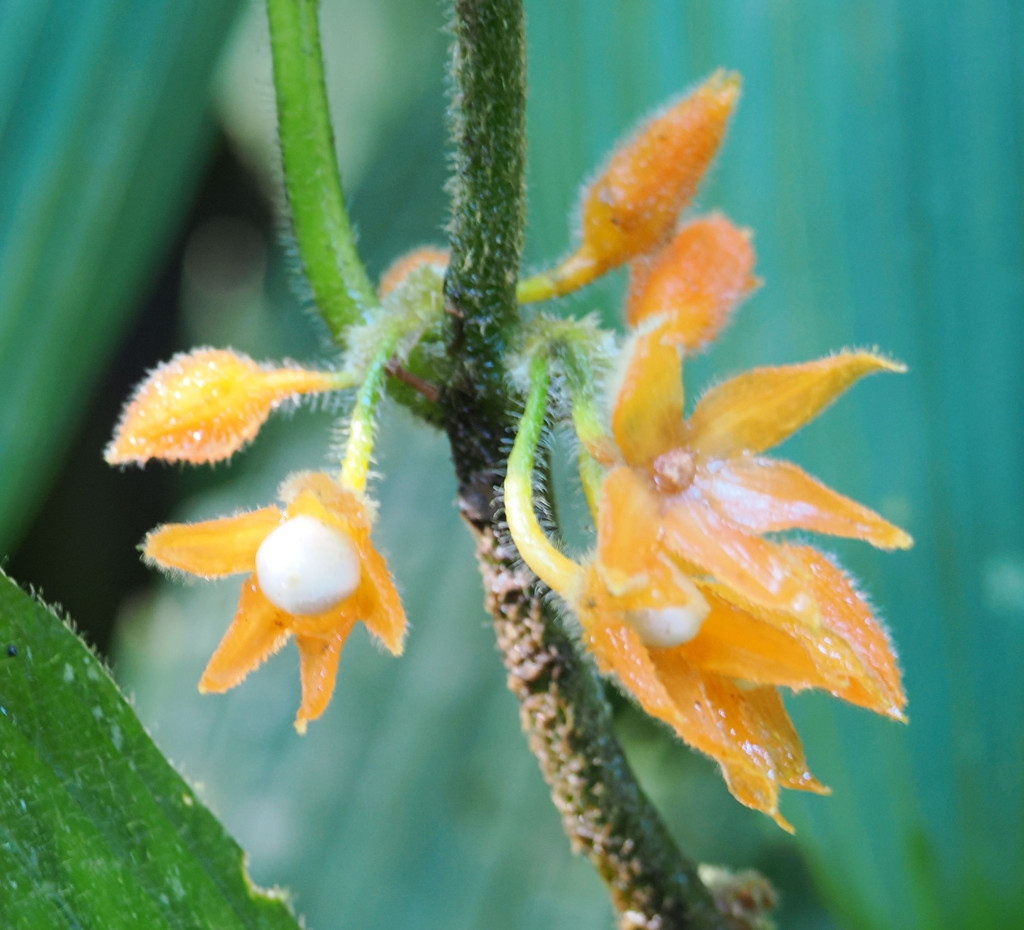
(605, 813)
(563, 711)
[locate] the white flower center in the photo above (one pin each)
(666, 627)
(307, 567)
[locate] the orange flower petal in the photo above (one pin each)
(213, 548)
(847, 614)
(380, 606)
(764, 496)
(695, 282)
(620, 651)
(378, 603)
(258, 630)
(319, 495)
(318, 665)
(735, 643)
(648, 415)
(754, 570)
(204, 406)
(745, 729)
(628, 525)
(760, 408)
(778, 650)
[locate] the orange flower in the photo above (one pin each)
(695, 282)
(634, 204)
(205, 405)
(313, 574)
(700, 616)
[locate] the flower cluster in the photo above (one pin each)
(689, 598)
(312, 569)
(700, 615)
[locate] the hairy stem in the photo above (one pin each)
(341, 287)
(562, 708)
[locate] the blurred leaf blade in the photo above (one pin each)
(885, 193)
(97, 829)
(103, 127)
(874, 156)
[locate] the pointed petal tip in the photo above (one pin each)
(218, 681)
(871, 360)
(301, 724)
(896, 712)
(209, 684)
(115, 454)
(900, 539)
(781, 821)
(725, 82)
(811, 784)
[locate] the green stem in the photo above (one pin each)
(488, 213)
(557, 571)
(359, 447)
(341, 286)
(562, 709)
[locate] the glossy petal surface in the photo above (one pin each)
(648, 415)
(318, 668)
(745, 729)
(628, 523)
(634, 204)
(258, 630)
(776, 649)
(755, 570)
(619, 650)
(848, 613)
(695, 282)
(204, 406)
(213, 548)
(764, 496)
(757, 410)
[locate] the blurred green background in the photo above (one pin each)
(878, 154)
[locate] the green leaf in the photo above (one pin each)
(97, 830)
(104, 124)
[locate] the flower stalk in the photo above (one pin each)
(551, 566)
(341, 286)
(359, 447)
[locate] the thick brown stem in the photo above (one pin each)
(568, 724)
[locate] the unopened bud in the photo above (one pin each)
(203, 406)
(695, 282)
(634, 205)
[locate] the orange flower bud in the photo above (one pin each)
(635, 203)
(203, 406)
(694, 282)
(402, 266)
